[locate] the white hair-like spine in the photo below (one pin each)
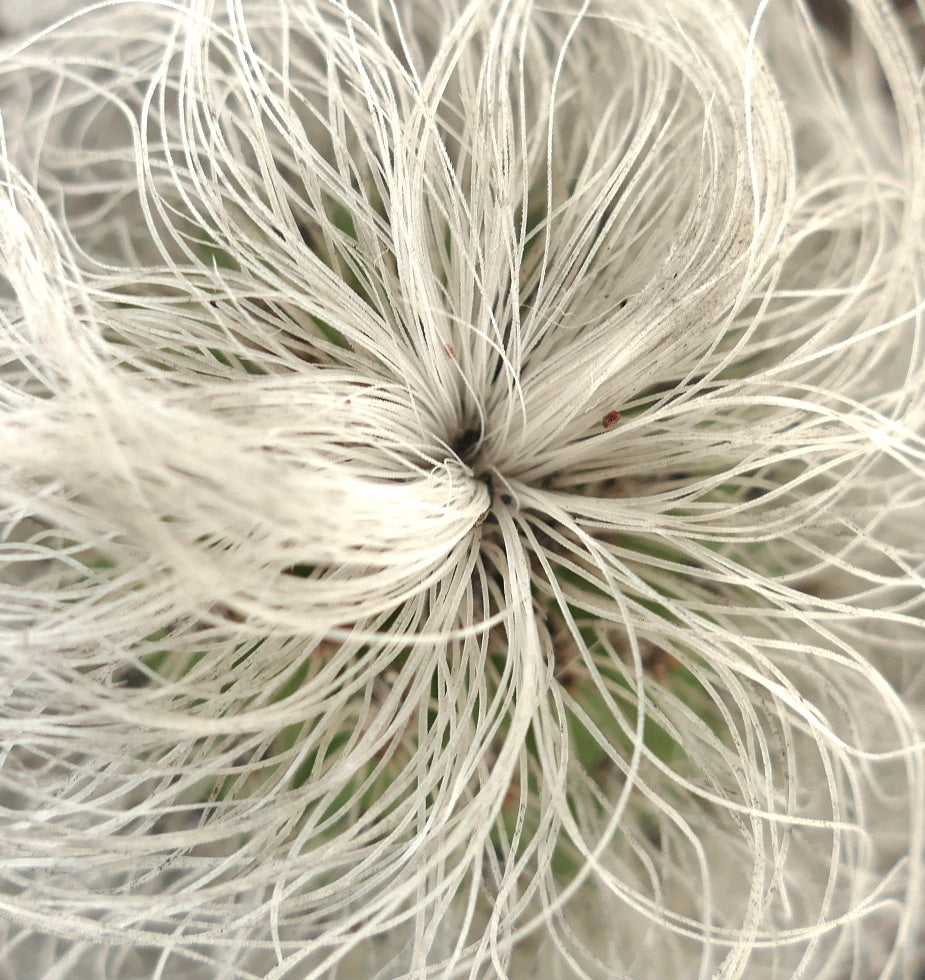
(462, 491)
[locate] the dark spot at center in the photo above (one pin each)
(468, 448)
(465, 442)
(834, 16)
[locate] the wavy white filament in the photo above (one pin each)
(462, 491)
